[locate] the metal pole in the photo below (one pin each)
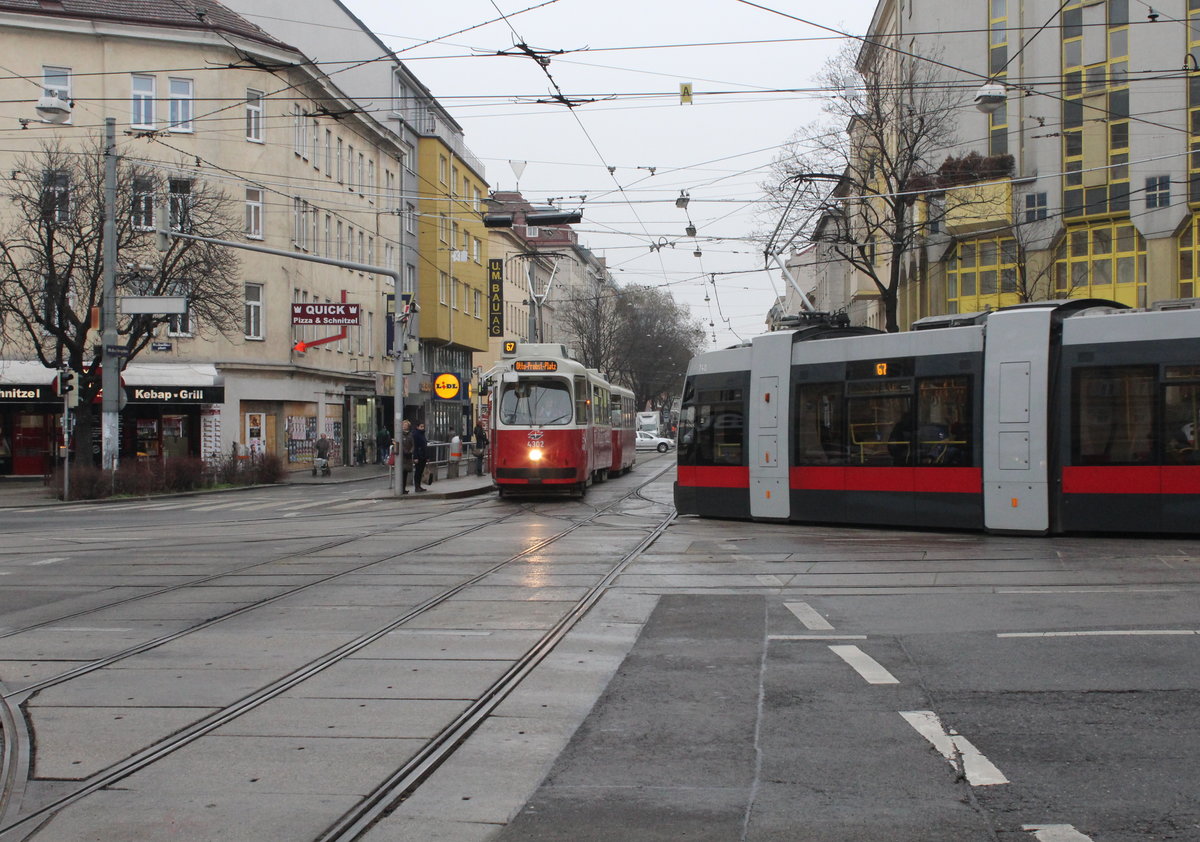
(533, 301)
(66, 437)
(110, 380)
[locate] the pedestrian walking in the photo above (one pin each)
(479, 448)
(383, 441)
(420, 455)
(406, 454)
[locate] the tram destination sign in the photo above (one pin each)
(335, 313)
(535, 365)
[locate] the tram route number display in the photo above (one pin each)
(325, 314)
(535, 365)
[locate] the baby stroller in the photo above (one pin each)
(322, 466)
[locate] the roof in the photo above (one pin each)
(200, 15)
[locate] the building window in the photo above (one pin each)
(443, 165)
(142, 99)
(340, 162)
(328, 153)
(56, 196)
(254, 211)
(1158, 191)
(410, 278)
(531, 232)
(410, 218)
(340, 240)
(982, 274)
(180, 324)
(350, 167)
(1035, 206)
(254, 112)
(180, 107)
(254, 311)
(179, 204)
(1105, 260)
(478, 250)
(478, 304)
(316, 144)
(299, 131)
(328, 236)
(141, 208)
(443, 288)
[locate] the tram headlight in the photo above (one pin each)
(535, 454)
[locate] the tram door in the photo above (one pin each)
(766, 433)
(31, 443)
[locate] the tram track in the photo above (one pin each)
(17, 749)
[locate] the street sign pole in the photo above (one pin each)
(110, 381)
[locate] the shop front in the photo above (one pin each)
(167, 422)
(30, 419)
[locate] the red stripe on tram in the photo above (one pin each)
(704, 476)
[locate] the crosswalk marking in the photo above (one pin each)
(807, 615)
(1056, 833)
(866, 666)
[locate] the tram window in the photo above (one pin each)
(543, 402)
(944, 422)
(820, 425)
(582, 392)
(1112, 416)
(881, 430)
(1181, 418)
(712, 430)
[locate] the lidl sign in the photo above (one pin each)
(446, 386)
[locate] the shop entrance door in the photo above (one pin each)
(31, 444)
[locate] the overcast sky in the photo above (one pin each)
(631, 56)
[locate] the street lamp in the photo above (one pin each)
(990, 97)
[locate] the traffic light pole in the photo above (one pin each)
(164, 235)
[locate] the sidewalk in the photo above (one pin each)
(442, 488)
(20, 492)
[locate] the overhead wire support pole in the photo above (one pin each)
(394, 274)
(110, 378)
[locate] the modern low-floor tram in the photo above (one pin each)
(1048, 417)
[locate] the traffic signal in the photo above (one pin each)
(66, 387)
(497, 220)
(557, 217)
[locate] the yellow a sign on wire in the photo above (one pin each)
(685, 93)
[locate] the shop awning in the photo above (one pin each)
(25, 373)
(171, 374)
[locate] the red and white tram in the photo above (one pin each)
(1058, 416)
(554, 427)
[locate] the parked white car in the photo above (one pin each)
(649, 441)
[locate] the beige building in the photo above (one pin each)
(206, 101)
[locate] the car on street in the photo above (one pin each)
(649, 441)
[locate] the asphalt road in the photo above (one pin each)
(732, 681)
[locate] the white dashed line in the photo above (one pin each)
(770, 580)
(806, 614)
(47, 561)
(976, 768)
(866, 666)
(816, 637)
(1056, 833)
(1103, 633)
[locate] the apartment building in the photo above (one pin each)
(207, 102)
(1096, 111)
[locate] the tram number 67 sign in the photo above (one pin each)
(446, 386)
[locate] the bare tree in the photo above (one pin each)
(859, 171)
(657, 337)
(591, 320)
(51, 260)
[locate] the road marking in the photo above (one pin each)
(864, 665)
(82, 629)
(816, 637)
(1056, 833)
(806, 614)
(772, 581)
(976, 768)
(298, 506)
(217, 506)
(1100, 589)
(1103, 633)
(47, 561)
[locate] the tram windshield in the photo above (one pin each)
(541, 402)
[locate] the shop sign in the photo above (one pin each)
(27, 393)
(175, 394)
(495, 289)
(447, 386)
(325, 314)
